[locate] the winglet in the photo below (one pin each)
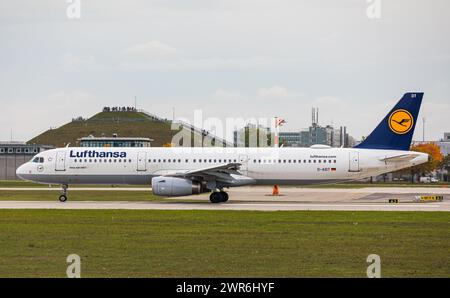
(395, 131)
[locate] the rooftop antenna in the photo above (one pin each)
(317, 117)
(11, 135)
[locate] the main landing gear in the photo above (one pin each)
(218, 197)
(63, 197)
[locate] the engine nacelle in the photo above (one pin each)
(172, 186)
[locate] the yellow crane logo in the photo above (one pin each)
(401, 121)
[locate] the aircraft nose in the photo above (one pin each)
(21, 171)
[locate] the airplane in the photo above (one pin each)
(181, 171)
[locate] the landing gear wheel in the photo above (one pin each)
(224, 196)
(215, 197)
(218, 197)
(63, 197)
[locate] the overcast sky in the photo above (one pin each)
(233, 58)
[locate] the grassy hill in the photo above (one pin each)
(125, 124)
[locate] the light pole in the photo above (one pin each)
(423, 127)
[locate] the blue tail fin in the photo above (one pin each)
(397, 128)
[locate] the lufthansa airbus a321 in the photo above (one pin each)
(180, 171)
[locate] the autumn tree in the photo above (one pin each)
(434, 160)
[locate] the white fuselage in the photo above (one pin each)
(281, 166)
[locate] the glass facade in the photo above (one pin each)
(114, 142)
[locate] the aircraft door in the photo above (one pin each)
(60, 162)
(141, 161)
(354, 161)
(243, 159)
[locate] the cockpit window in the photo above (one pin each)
(38, 160)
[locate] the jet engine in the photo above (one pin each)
(173, 186)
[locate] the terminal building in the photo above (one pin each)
(14, 154)
(114, 141)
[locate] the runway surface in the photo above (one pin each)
(260, 198)
(440, 206)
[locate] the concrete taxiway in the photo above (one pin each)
(257, 206)
(260, 198)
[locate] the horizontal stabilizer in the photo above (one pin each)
(400, 158)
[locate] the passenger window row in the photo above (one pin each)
(94, 160)
(294, 161)
(195, 160)
(199, 160)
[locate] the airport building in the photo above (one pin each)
(317, 134)
(252, 136)
(445, 147)
(14, 154)
(114, 141)
(444, 144)
(446, 137)
(260, 136)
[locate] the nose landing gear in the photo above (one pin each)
(218, 197)
(63, 197)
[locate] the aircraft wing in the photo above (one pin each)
(229, 168)
(400, 158)
(224, 174)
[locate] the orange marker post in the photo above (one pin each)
(275, 191)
